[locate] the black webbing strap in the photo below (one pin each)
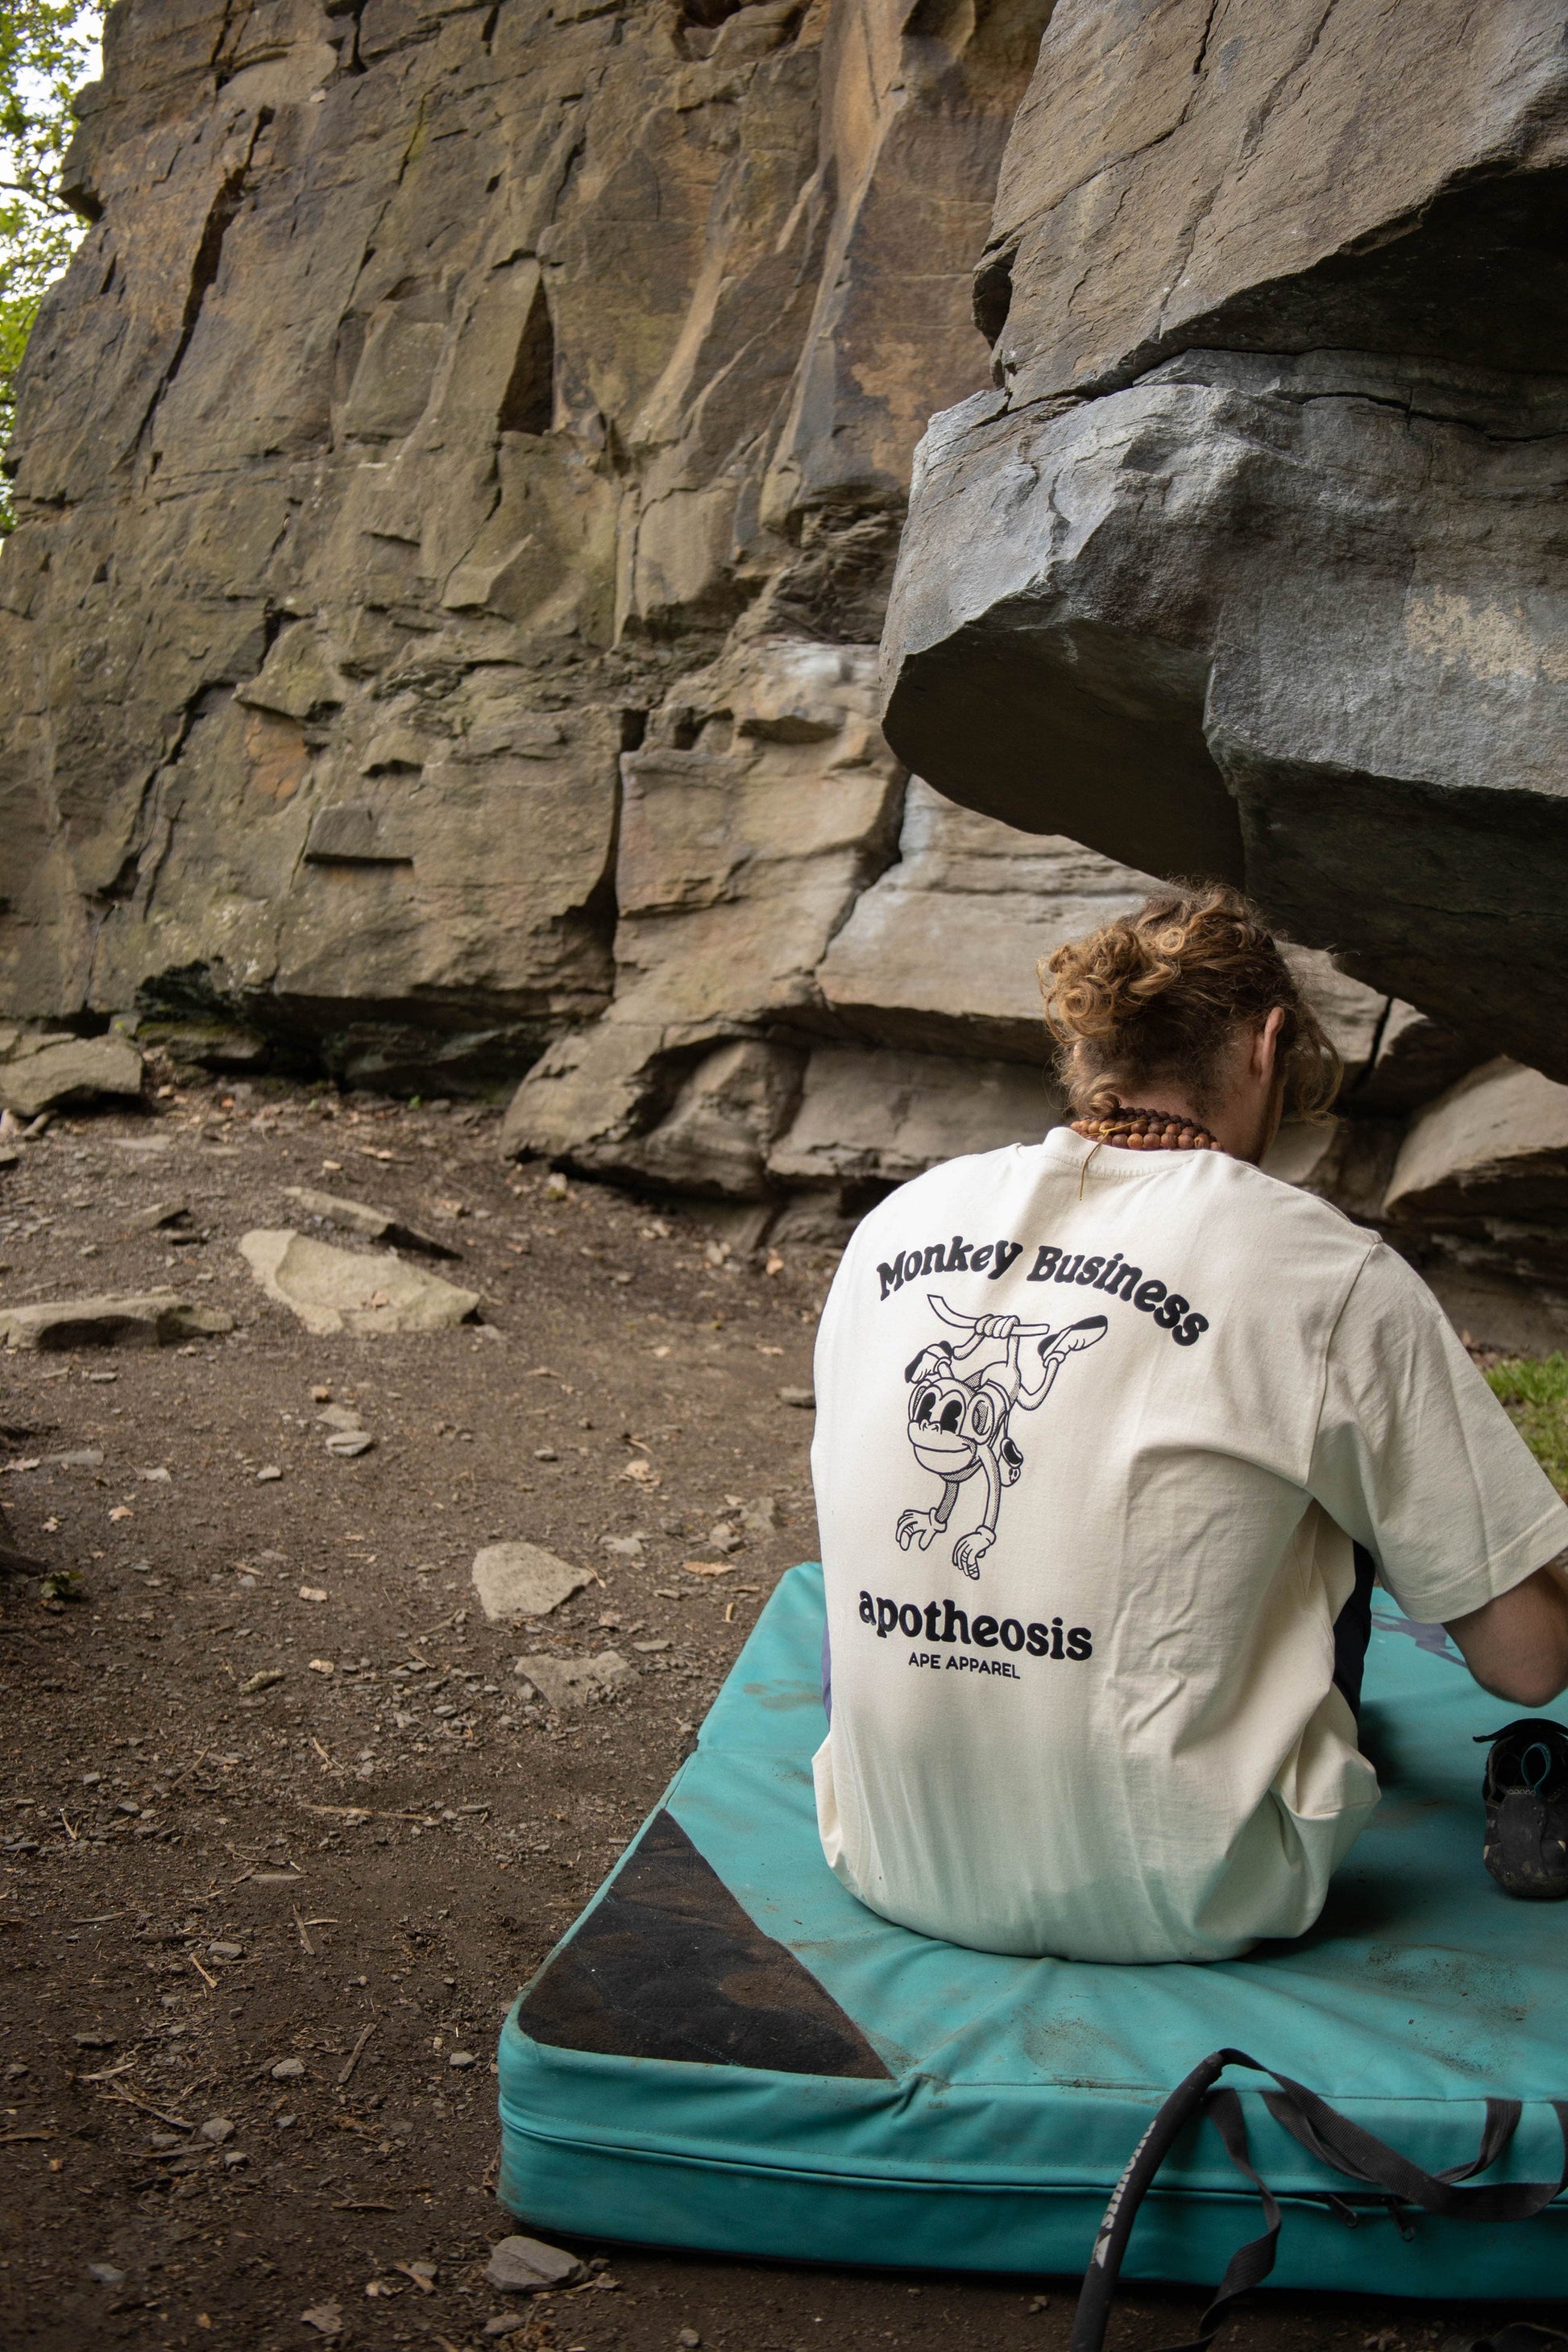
(1518, 2336)
(1333, 2140)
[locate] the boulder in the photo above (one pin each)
(522, 1579)
(342, 1290)
(61, 1071)
(360, 1217)
(1417, 1059)
(1495, 1146)
(158, 1319)
(1252, 557)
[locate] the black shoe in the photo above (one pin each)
(1526, 1794)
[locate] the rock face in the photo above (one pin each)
(1250, 564)
(1483, 1171)
(459, 479)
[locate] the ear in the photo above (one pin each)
(1265, 1052)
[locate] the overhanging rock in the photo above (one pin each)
(1250, 566)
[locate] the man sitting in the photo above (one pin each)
(1112, 1430)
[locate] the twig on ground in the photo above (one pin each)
(353, 2059)
(129, 2099)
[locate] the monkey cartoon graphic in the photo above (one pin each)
(960, 1424)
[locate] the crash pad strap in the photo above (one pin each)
(1325, 2133)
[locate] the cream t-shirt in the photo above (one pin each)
(1096, 1432)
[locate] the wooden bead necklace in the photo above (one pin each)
(1146, 1131)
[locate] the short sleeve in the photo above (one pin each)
(1415, 1458)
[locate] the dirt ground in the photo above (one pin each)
(347, 1871)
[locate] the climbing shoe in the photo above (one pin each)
(1526, 1794)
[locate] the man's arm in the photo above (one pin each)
(1517, 1645)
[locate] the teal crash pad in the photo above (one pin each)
(728, 2052)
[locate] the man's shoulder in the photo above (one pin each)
(939, 1192)
(1276, 1200)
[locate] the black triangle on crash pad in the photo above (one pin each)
(669, 1966)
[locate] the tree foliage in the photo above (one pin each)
(46, 47)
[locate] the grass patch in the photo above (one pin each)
(1534, 1390)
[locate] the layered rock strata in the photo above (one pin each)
(448, 402)
(459, 479)
(1250, 563)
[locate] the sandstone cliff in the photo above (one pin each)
(459, 479)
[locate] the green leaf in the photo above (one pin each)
(46, 49)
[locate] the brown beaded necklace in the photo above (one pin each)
(1145, 1130)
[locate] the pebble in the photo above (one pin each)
(216, 2128)
(688, 2339)
(524, 2266)
(461, 2059)
(338, 1416)
(505, 2323)
(348, 1444)
(227, 1951)
(326, 2318)
(156, 1216)
(260, 1682)
(287, 2070)
(106, 2275)
(805, 1398)
(265, 1478)
(313, 1592)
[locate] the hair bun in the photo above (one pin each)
(1159, 993)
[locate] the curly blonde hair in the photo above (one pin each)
(1159, 995)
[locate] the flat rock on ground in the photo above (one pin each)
(73, 1070)
(161, 1319)
(526, 2264)
(572, 1682)
(521, 1580)
(340, 1290)
(361, 1217)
